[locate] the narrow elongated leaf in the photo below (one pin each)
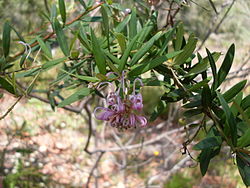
(112, 57)
(206, 97)
(44, 48)
(119, 28)
(203, 65)
(32, 84)
(233, 91)
(105, 24)
(98, 54)
(61, 38)
(144, 33)
(53, 13)
(28, 73)
(84, 39)
(144, 49)
(245, 103)
(121, 41)
(226, 65)
(78, 95)
(205, 158)
(126, 53)
(133, 24)
(244, 168)
(6, 38)
(199, 85)
(230, 118)
(6, 85)
(179, 37)
(51, 64)
(17, 33)
(244, 140)
(81, 77)
(209, 142)
(214, 71)
(152, 64)
(168, 36)
(62, 10)
(83, 4)
(187, 51)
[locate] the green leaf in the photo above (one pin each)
(48, 65)
(98, 54)
(179, 37)
(187, 51)
(192, 112)
(62, 10)
(244, 167)
(144, 33)
(203, 65)
(205, 156)
(196, 87)
(119, 28)
(152, 64)
(226, 65)
(83, 4)
(84, 39)
(112, 57)
(126, 53)
(6, 38)
(44, 47)
(78, 95)
(23, 59)
(214, 71)
(132, 24)
(121, 41)
(209, 142)
(105, 24)
(245, 103)
(32, 84)
(233, 91)
(53, 14)
(168, 36)
(7, 85)
(81, 77)
(244, 140)
(206, 97)
(159, 109)
(144, 49)
(61, 38)
(17, 33)
(28, 73)
(230, 118)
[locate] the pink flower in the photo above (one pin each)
(122, 113)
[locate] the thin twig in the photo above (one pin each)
(86, 107)
(93, 168)
(11, 108)
(210, 31)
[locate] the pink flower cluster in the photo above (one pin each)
(122, 112)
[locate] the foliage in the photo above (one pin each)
(131, 43)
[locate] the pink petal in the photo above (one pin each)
(104, 114)
(136, 101)
(132, 119)
(142, 121)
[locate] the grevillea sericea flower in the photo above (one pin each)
(122, 112)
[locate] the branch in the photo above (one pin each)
(94, 167)
(11, 108)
